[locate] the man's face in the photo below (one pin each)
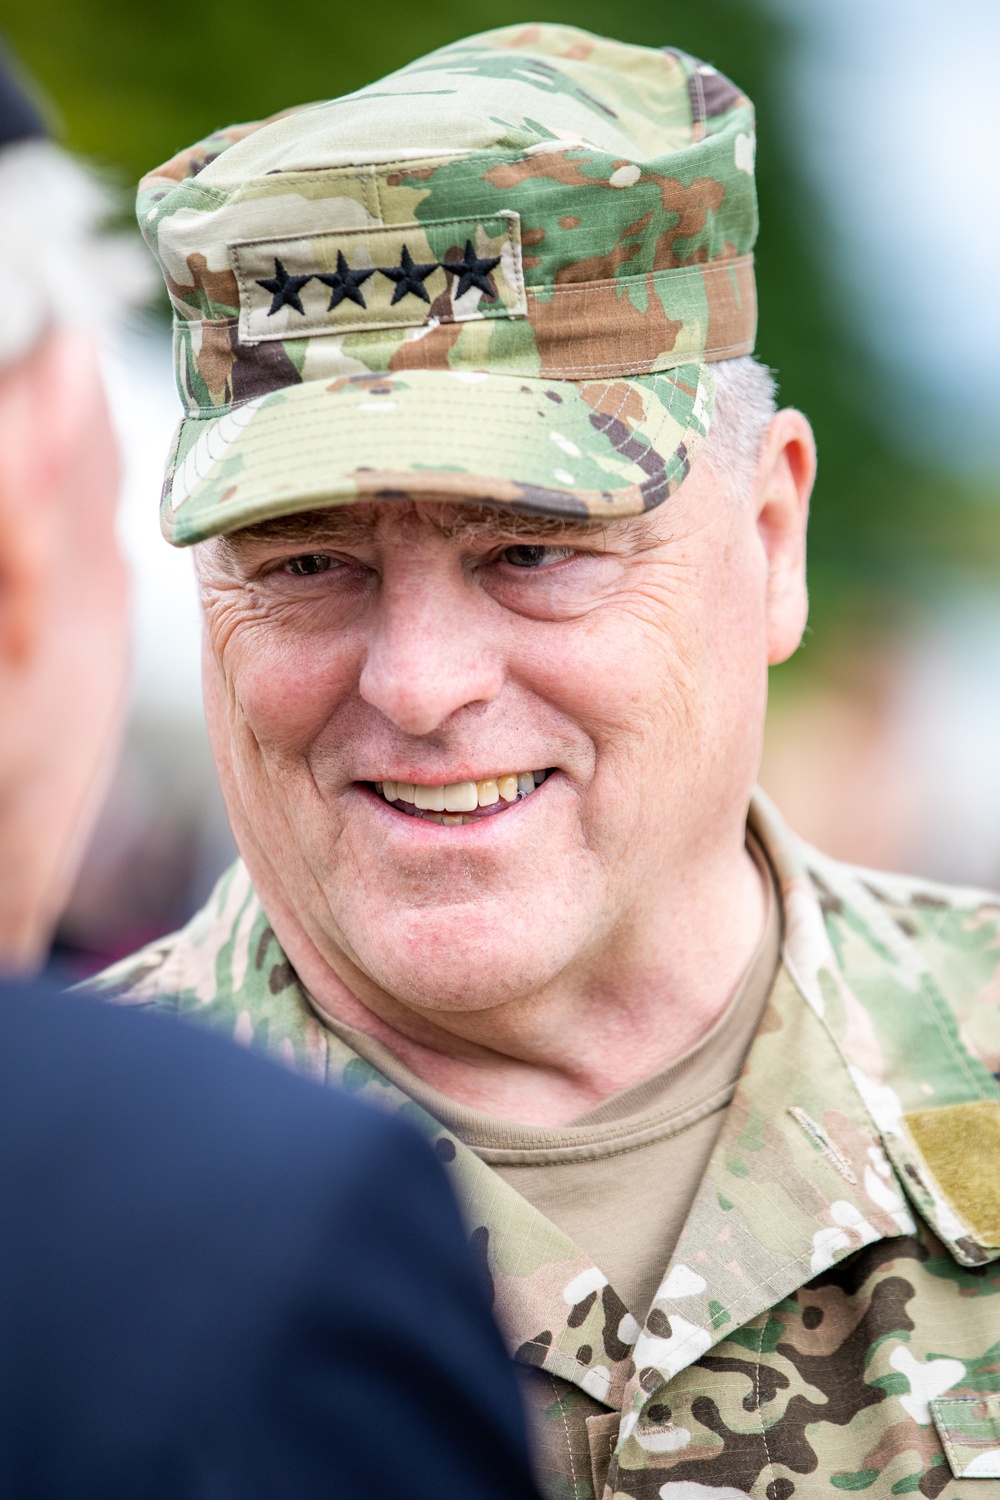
(619, 671)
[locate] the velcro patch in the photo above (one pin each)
(969, 1429)
(961, 1145)
(402, 275)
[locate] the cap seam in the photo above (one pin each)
(191, 187)
(560, 289)
(616, 497)
(345, 169)
(528, 152)
(596, 372)
(513, 428)
(506, 214)
(459, 157)
(676, 273)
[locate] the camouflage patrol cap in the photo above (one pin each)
(500, 274)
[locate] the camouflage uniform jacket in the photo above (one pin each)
(827, 1321)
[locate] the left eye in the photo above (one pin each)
(309, 563)
(534, 557)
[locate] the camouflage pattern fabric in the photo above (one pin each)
(826, 1322)
(501, 273)
(969, 1428)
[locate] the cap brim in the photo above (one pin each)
(596, 449)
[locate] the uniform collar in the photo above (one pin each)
(860, 961)
(819, 1142)
(809, 1166)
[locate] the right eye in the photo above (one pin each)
(309, 563)
(520, 556)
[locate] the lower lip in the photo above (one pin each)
(487, 816)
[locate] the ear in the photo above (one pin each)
(46, 399)
(784, 482)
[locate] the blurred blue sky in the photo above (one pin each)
(895, 108)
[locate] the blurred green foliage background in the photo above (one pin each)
(132, 83)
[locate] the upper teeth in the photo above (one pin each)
(462, 796)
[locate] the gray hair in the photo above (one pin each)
(746, 399)
(58, 268)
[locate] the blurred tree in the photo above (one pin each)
(132, 84)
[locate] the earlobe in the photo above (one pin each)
(784, 484)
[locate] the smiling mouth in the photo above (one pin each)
(460, 801)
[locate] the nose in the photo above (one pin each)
(429, 654)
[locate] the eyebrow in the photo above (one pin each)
(353, 525)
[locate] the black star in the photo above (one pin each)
(408, 277)
(286, 289)
(472, 271)
(343, 282)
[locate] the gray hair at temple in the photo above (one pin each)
(58, 265)
(745, 401)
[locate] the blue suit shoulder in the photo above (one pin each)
(219, 1279)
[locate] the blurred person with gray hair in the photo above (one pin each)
(63, 585)
(215, 1278)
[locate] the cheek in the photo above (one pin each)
(663, 677)
(282, 689)
(609, 676)
(737, 624)
(730, 697)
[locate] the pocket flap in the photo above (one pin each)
(969, 1429)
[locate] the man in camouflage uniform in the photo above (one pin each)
(497, 530)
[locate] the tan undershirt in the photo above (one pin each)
(621, 1178)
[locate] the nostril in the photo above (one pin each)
(419, 685)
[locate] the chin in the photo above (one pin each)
(432, 961)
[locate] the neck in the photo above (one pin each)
(598, 1028)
